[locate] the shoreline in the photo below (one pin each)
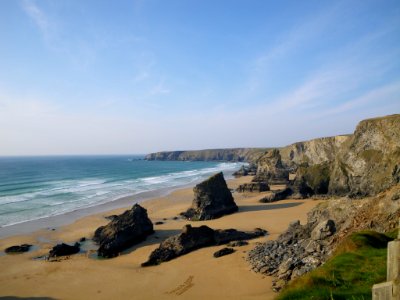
(81, 277)
(50, 222)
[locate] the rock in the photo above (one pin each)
(369, 162)
(192, 238)
(323, 230)
(124, 231)
(246, 170)
(237, 243)
(64, 250)
(223, 252)
(276, 196)
(82, 239)
(111, 217)
(396, 197)
(212, 199)
(253, 187)
(18, 249)
(271, 169)
(159, 223)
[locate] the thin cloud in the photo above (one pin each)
(37, 15)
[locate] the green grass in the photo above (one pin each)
(357, 264)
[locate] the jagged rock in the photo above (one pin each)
(18, 249)
(246, 170)
(192, 238)
(323, 230)
(223, 252)
(64, 250)
(277, 195)
(270, 169)
(124, 231)
(253, 187)
(212, 199)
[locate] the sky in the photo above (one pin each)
(133, 77)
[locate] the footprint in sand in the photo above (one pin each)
(183, 287)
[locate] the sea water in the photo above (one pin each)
(33, 188)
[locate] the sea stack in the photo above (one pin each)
(212, 199)
(124, 231)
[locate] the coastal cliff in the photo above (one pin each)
(364, 163)
(232, 154)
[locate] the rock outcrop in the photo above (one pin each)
(253, 187)
(192, 238)
(270, 169)
(124, 231)
(369, 162)
(302, 248)
(18, 249)
(63, 250)
(212, 199)
(223, 252)
(364, 163)
(249, 170)
(234, 154)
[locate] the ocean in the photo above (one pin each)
(33, 188)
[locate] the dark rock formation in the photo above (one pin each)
(223, 252)
(18, 249)
(124, 231)
(277, 195)
(249, 170)
(253, 187)
(212, 199)
(193, 238)
(271, 169)
(159, 223)
(63, 250)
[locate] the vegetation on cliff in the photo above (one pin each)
(357, 264)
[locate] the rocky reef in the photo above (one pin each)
(212, 199)
(124, 231)
(192, 238)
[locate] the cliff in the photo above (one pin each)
(364, 163)
(233, 154)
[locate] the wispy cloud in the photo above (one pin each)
(38, 16)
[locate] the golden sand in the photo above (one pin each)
(197, 275)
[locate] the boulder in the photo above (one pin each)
(212, 199)
(277, 195)
(192, 238)
(124, 231)
(64, 250)
(253, 187)
(323, 230)
(223, 252)
(18, 249)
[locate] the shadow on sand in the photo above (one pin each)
(268, 206)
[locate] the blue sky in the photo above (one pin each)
(109, 77)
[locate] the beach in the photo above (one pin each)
(197, 275)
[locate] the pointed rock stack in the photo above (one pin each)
(212, 199)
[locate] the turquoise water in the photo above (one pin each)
(38, 187)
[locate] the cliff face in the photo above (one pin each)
(234, 154)
(369, 162)
(361, 164)
(312, 152)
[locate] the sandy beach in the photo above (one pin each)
(197, 275)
